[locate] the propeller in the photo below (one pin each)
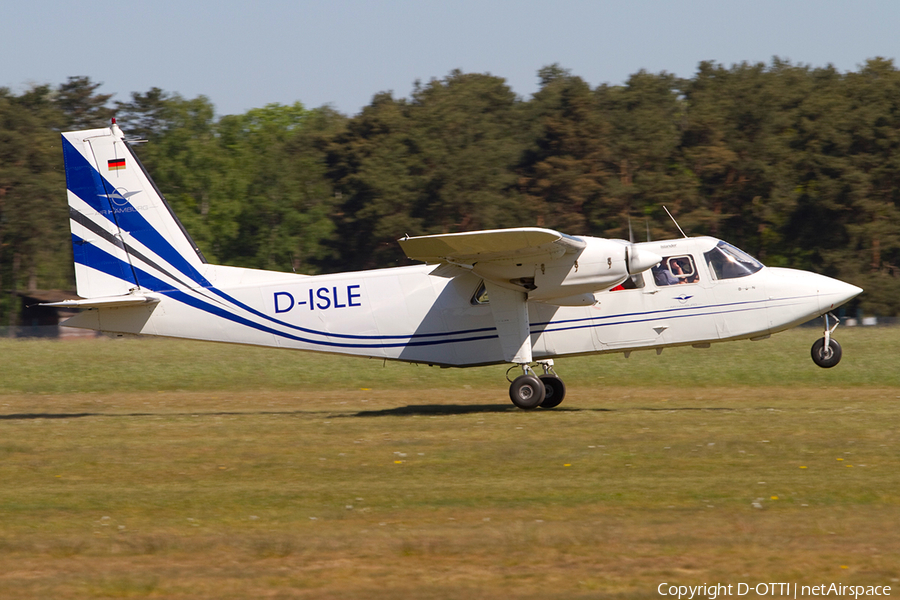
(636, 260)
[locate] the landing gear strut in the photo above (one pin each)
(528, 391)
(826, 352)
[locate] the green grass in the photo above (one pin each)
(212, 471)
(871, 357)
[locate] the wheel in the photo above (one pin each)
(554, 391)
(826, 357)
(526, 392)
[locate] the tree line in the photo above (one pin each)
(798, 165)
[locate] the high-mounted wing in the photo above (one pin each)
(530, 263)
(466, 249)
(546, 264)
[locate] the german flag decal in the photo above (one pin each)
(116, 163)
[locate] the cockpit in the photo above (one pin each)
(723, 260)
(727, 262)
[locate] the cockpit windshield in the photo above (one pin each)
(728, 262)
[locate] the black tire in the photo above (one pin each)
(554, 391)
(826, 357)
(526, 392)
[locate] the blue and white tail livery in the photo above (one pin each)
(124, 237)
(521, 296)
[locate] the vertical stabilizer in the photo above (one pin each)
(124, 235)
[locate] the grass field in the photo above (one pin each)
(133, 468)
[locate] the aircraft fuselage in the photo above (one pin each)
(408, 314)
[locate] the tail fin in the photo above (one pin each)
(124, 235)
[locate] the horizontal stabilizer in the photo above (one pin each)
(105, 302)
(491, 245)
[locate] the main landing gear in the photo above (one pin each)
(826, 352)
(529, 391)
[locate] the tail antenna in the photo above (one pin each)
(674, 221)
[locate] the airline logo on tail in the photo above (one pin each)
(119, 196)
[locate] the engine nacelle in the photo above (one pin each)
(600, 265)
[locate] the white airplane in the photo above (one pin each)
(520, 296)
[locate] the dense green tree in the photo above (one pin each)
(646, 117)
(34, 242)
(869, 197)
(82, 107)
(466, 133)
(564, 171)
(798, 165)
(249, 188)
(283, 220)
(375, 175)
(440, 162)
(181, 154)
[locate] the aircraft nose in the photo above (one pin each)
(834, 292)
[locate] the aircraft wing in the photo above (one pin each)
(466, 249)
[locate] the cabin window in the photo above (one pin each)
(727, 262)
(481, 296)
(674, 270)
(632, 283)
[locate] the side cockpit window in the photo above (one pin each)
(674, 270)
(727, 262)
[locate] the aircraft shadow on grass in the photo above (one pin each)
(424, 410)
(466, 409)
(434, 410)
(450, 409)
(27, 416)
(400, 411)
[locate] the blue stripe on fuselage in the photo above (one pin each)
(155, 284)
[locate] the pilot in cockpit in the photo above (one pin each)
(662, 275)
(673, 271)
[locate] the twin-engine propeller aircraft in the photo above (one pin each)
(519, 296)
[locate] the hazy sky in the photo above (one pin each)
(244, 55)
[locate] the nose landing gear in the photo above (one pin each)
(826, 352)
(528, 391)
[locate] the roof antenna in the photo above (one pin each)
(674, 221)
